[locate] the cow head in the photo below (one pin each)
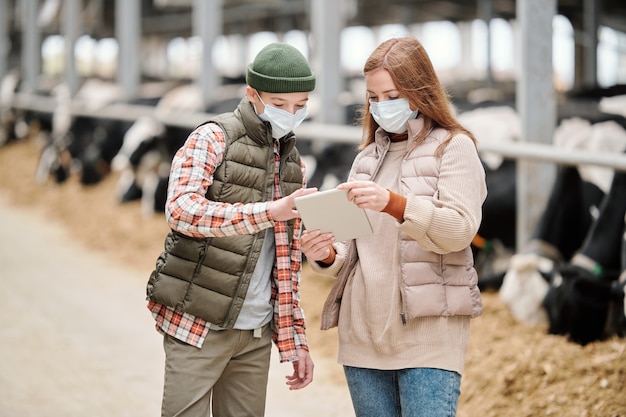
(524, 287)
(577, 304)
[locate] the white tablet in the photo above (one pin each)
(331, 211)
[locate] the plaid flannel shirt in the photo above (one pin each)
(189, 212)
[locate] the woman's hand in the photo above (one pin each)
(366, 194)
(316, 246)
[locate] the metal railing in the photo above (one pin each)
(330, 133)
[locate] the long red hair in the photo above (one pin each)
(415, 78)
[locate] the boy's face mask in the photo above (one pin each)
(282, 121)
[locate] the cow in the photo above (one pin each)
(149, 145)
(83, 144)
(72, 140)
(560, 232)
(581, 292)
(499, 218)
(144, 162)
(582, 126)
(18, 123)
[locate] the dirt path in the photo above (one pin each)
(77, 339)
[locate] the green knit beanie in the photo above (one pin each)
(280, 68)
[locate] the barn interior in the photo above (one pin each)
(145, 48)
(519, 92)
(157, 22)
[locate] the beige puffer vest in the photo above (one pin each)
(432, 284)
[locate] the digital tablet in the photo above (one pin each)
(331, 211)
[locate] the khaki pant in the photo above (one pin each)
(231, 367)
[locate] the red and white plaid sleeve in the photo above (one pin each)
(188, 211)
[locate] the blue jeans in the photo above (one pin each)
(413, 392)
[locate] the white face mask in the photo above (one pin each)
(282, 121)
(392, 115)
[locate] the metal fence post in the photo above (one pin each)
(536, 104)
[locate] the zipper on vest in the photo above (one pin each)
(402, 302)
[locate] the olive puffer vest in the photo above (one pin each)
(209, 277)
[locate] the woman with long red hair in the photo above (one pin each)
(404, 296)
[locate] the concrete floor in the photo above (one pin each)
(77, 340)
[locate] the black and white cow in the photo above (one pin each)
(582, 126)
(75, 142)
(144, 162)
(581, 292)
(560, 232)
(84, 145)
(148, 147)
(20, 123)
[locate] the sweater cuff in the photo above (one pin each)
(328, 261)
(396, 205)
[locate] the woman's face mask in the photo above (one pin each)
(392, 115)
(282, 121)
